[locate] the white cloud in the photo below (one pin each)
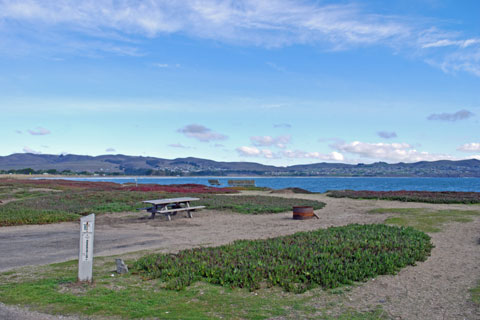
(39, 131)
(298, 154)
(255, 152)
(403, 152)
(470, 147)
(246, 151)
(459, 115)
(110, 150)
(282, 125)
(201, 133)
(267, 141)
(447, 43)
(30, 150)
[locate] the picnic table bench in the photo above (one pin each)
(170, 207)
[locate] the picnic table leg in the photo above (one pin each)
(189, 214)
(154, 210)
(168, 217)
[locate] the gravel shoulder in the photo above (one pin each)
(435, 289)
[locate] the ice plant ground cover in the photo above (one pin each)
(39, 203)
(110, 186)
(255, 204)
(410, 196)
(327, 257)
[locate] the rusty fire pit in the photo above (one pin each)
(303, 213)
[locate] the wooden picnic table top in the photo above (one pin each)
(171, 200)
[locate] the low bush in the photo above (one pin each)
(410, 196)
(327, 257)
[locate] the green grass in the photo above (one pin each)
(53, 289)
(426, 220)
(70, 204)
(327, 257)
(475, 292)
(255, 204)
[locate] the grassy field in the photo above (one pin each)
(27, 203)
(426, 220)
(54, 288)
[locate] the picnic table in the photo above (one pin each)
(170, 207)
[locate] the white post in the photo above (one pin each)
(85, 256)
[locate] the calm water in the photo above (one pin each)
(323, 184)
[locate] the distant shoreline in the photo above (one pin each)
(77, 177)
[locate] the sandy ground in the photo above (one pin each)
(435, 289)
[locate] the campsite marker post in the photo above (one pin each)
(85, 255)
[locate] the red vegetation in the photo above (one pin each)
(63, 184)
(410, 196)
(111, 186)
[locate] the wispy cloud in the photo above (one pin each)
(39, 131)
(201, 133)
(470, 147)
(448, 43)
(270, 23)
(179, 146)
(267, 141)
(387, 134)
(30, 150)
(276, 67)
(282, 125)
(18, 131)
(459, 115)
(110, 150)
(389, 152)
(166, 65)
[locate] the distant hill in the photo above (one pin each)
(133, 165)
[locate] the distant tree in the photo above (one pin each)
(26, 171)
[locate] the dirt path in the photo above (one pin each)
(435, 289)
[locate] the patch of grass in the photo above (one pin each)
(475, 292)
(10, 217)
(68, 205)
(299, 262)
(255, 204)
(426, 220)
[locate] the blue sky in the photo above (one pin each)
(277, 82)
